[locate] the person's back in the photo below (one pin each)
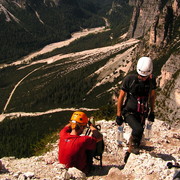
(73, 148)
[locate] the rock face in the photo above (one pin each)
(151, 163)
(168, 70)
(158, 17)
(157, 23)
(168, 100)
(142, 18)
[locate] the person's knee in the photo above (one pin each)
(137, 129)
(137, 133)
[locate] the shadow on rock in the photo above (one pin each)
(102, 171)
(147, 148)
(4, 170)
(176, 175)
(165, 157)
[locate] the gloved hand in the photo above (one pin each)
(151, 116)
(119, 120)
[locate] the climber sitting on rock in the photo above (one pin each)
(75, 150)
(139, 90)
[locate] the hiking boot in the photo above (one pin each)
(134, 149)
(133, 146)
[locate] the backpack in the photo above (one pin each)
(97, 154)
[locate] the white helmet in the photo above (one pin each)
(144, 66)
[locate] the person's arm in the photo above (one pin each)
(120, 101)
(152, 100)
(66, 129)
(96, 134)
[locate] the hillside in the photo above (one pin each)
(29, 25)
(56, 75)
(39, 91)
(151, 163)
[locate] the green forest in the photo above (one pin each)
(28, 33)
(24, 136)
(55, 90)
(27, 136)
(49, 86)
(31, 136)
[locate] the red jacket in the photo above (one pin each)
(72, 149)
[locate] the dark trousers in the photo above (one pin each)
(89, 154)
(136, 122)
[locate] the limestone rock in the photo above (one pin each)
(151, 163)
(115, 174)
(77, 174)
(29, 174)
(153, 16)
(168, 101)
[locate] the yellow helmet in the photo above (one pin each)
(79, 117)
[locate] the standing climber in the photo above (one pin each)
(75, 150)
(139, 90)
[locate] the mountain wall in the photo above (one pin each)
(158, 17)
(156, 23)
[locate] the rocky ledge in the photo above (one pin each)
(151, 163)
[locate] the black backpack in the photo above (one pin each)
(97, 154)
